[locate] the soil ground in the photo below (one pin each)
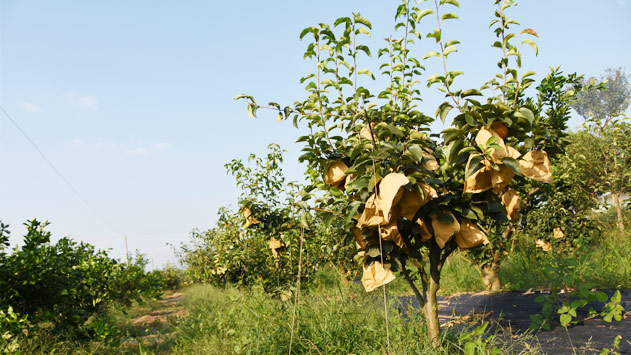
(154, 323)
(511, 312)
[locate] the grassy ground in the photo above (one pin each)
(607, 264)
(334, 316)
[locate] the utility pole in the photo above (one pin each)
(126, 253)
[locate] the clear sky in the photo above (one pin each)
(132, 100)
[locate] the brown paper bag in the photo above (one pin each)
(483, 136)
(390, 232)
(479, 181)
(512, 152)
(275, 244)
(512, 203)
(487, 177)
(430, 164)
(444, 231)
(423, 226)
(375, 275)
(546, 246)
(359, 239)
(536, 165)
(378, 209)
(470, 235)
(501, 179)
(247, 214)
(411, 200)
(335, 173)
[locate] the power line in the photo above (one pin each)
(59, 173)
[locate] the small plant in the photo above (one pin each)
(615, 350)
(474, 342)
(569, 293)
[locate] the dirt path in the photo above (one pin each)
(154, 323)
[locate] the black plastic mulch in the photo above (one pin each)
(511, 311)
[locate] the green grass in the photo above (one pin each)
(337, 321)
(606, 263)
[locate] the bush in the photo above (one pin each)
(65, 283)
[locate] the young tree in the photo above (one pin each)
(551, 109)
(600, 162)
(259, 243)
(409, 198)
(605, 139)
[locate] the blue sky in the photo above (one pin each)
(132, 101)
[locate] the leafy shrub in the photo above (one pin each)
(63, 284)
(11, 327)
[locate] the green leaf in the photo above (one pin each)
(601, 296)
(431, 54)
(452, 2)
(423, 13)
(473, 165)
(242, 96)
(305, 31)
(417, 152)
(495, 207)
(451, 152)
(471, 92)
(616, 298)
(252, 110)
(443, 110)
(363, 21)
(565, 319)
(365, 72)
(363, 31)
(448, 50)
(470, 120)
(445, 218)
(530, 31)
(436, 34)
(532, 44)
(513, 164)
(448, 16)
(527, 74)
(524, 112)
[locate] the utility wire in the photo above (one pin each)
(59, 173)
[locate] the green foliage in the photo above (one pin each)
(12, 326)
(475, 343)
(65, 283)
(238, 250)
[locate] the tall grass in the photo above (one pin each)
(332, 320)
(606, 262)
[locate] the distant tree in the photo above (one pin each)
(600, 162)
(602, 104)
(603, 153)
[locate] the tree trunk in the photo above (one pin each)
(430, 311)
(616, 203)
(491, 273)
(431, 283)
